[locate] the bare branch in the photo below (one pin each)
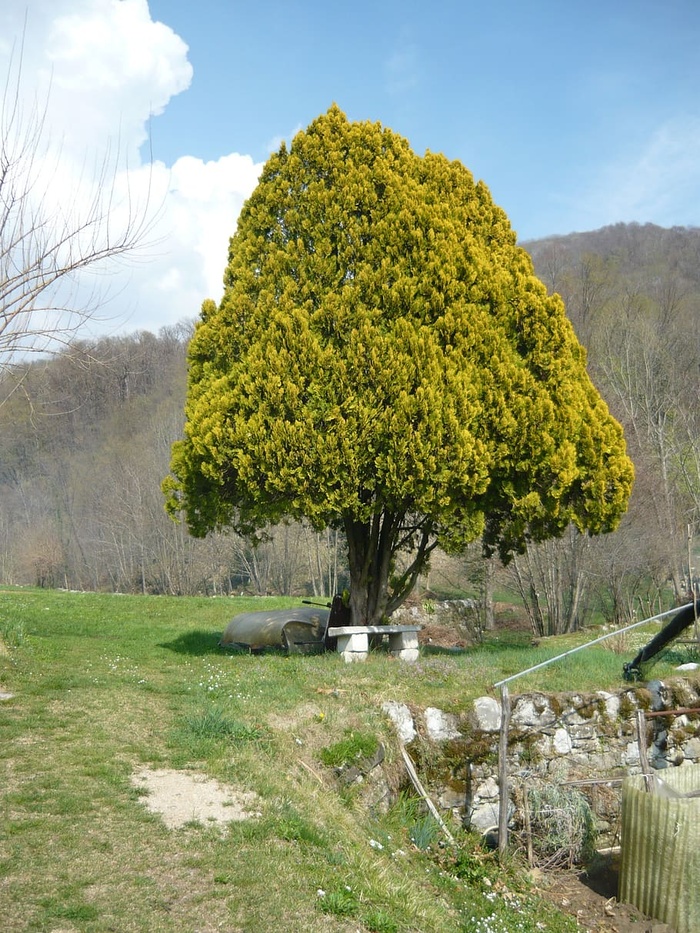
(57, 233)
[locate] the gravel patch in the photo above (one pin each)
(181, 797)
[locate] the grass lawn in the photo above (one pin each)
(105, 685)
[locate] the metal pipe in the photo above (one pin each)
(595, 641)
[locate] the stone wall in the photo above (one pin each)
(582, 741)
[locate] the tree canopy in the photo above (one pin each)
(385, 361)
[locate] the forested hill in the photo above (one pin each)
(85, 439)
(599, 271)
(634, 247)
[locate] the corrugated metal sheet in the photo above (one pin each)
(660, 868)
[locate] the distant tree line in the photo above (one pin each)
(85, 441)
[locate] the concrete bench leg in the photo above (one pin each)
(353, 647)
(404, 645)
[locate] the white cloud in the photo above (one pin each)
(659, 184)
(104, 68)
(114, 67)
(274, 144)
(200, 205)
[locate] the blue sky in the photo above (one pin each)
(575, 114)
(562, 107)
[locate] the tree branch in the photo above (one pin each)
(49, 240)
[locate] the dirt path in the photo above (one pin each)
(592, 899)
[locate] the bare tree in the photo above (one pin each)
(650, 365)
(326, 561)
(552, 580)
(628, 574)
(53, 231)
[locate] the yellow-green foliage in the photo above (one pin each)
(384, 345)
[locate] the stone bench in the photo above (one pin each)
(353, 640)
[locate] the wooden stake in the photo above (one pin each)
(642, 743)
(528, 829)
(503, 796)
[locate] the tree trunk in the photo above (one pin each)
(372, 549)
(369, 558)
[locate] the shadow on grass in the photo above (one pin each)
(443, 650)
(197, 642)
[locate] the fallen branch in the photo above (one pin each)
(421, 791)
(311, 771)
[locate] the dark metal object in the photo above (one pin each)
(681, 621)
(305, 629)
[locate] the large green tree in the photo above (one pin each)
(385, 361)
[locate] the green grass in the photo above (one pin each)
(104, 685)
(353, 747)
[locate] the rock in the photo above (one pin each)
(402, 719)
(604, 761)
(377, 794)
(691, 749)
(484, 817)
(562, 742)
(612, 704)
(348, 776)
(486, 715)
(369, 764)
(451, 799)
(533, 711)
(441, 726)
(488, 790)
